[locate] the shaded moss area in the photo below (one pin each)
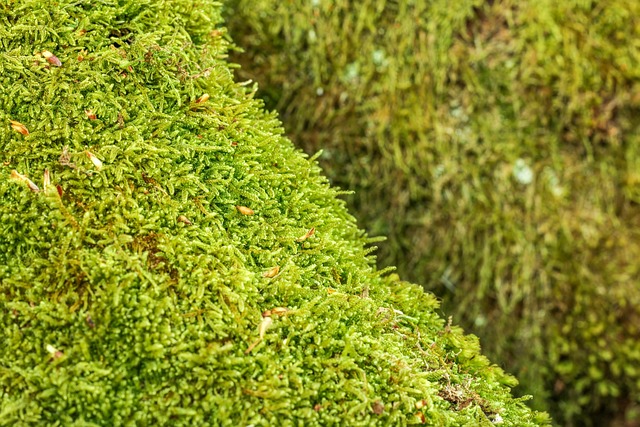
(167, 257)
(497, 144)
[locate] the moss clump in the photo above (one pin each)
(497, 144)
(168, 258)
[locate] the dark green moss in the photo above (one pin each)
(141, 224)
(497, 144)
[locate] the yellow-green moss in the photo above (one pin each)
(145, 202)
(497, 144)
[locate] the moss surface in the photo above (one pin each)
(497, 143)
(167, 257)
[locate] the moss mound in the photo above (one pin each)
(497, 144)
(167, 257)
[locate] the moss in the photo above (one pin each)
(496, 144)
(167, 257)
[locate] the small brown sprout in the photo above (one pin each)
(19, 127)
(245, 210)
(90, 114)
(273, 272)
(82, 32)
(21, 178)
(421, 418)
(277, 311)
(96, 161)
(60, 190)
(421, 404)
(377, 407)
(203, 98)
(183, 219)
(51, 58)
(307, 235)
(90, 321)
(54, 352)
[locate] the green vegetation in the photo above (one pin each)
(497, 144)
(167, 257)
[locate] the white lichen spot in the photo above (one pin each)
(312, 36)
(522, 172)
(379, 58)
(352, 72)
(553, 182)
(319, 91)
(438, 171)
(457, 113)
(463, 134)
(497, 419)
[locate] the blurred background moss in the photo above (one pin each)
(497, 145)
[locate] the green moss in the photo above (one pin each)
(141, 224)
(497, 145)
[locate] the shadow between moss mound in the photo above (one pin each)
(167, 257)
(497, 144)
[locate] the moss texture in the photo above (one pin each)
(167, 257)
(497, 144)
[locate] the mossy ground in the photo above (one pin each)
(167, 257)
(497, 144)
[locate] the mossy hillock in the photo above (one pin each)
(497, 144)
(167, 257)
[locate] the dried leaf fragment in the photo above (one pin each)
(203, 98)
(252, 346)
(91, 115)
(264, 325)
(183, 219)
(262, 330)
(245, 210)
(19, 127)
(65, 158)
(21, 178)
(46, 180)
(96, 161)
(272, 272)
(51, 58)
(307, 235)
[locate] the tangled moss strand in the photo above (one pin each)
(167, 257)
